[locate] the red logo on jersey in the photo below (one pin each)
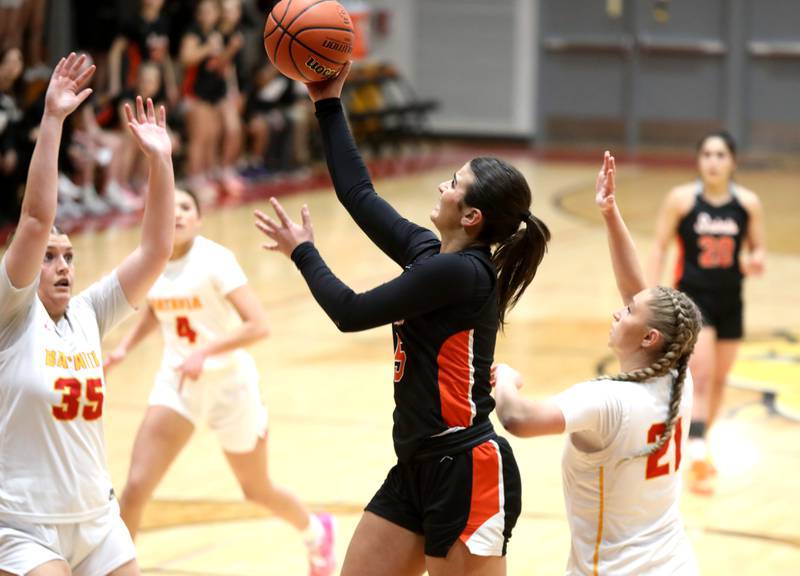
(399, 360)
(185, 329)
(70, 406)
(654, 467)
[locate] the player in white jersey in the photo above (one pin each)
(621, 465)
(58, 514)
(208, 313)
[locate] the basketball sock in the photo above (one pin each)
(697, 429)
(314, 533)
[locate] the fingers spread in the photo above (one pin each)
(280, 211)
(140, 115)
(128, 113)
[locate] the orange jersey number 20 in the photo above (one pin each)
(716, 252)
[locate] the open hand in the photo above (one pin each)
(331, 88)
(604, 187)
(286, 233)
(64, 92)
(149, 131)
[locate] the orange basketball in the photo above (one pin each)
(308, 40)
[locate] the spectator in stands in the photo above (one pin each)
(144, 39)
(208, 74)
(11, 116)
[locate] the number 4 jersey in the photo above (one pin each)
(624, 514)
(52, 449)
(189, 300)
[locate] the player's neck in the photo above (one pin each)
(716, 189)
(180, 251)
(635, 361)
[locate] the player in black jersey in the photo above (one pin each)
(450, 503)
(712, 219)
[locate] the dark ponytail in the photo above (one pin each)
(502, 195)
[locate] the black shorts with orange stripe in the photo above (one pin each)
(473, 495)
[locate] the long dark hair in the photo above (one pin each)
(724, 135)
(502, 195)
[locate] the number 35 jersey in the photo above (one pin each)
(52, 448)
(709, 243)
(189, 300)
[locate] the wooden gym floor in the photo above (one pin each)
(330, 400)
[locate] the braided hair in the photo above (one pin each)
(678, 320)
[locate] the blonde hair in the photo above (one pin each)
(678, 321)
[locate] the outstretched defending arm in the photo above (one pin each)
(64, 95)
(144, 265)
(627, 270)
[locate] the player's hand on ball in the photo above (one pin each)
(329, 88)
(286, 234)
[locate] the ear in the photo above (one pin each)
(652, 339)
(471, 219)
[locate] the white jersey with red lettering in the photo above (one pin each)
(189, 300)
(52, 449)
(624, 514)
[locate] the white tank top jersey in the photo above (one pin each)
(625, 517)
(189, 301)
(52, 448)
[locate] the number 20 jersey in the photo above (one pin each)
(189, 300)
(709, 243)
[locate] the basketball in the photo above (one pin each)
(308, 40)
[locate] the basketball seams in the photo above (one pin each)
(286, 29)
(295, 39)
(280, 25)
(291, 57)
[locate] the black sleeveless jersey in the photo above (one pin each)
(709, 243)
(206, 79)
(442, 308)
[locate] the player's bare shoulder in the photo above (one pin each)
(681, 199)
(747, 198)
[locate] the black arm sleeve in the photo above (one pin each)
(396, 236)
(435, 282)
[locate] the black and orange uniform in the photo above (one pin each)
(147, 41)
(206, 79)
(708, 269)
(455, 478)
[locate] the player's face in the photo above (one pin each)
(57, 277)
(715, 161)
(630, 326)
(187, 219)
(447, 213)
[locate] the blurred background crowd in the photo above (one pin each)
(232, 116)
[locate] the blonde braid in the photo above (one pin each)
(678, 320)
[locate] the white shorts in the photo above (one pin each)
(228, 400)
(90, 548)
